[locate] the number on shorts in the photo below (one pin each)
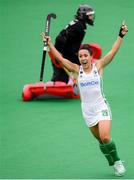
(104, 112)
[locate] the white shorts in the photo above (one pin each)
(95, 113)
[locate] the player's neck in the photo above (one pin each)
(88, 69)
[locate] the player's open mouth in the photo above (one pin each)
(84, 61)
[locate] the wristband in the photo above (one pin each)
(120, 33)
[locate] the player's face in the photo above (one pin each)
(85, 58)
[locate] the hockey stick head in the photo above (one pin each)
(51, 15)
(48, 19)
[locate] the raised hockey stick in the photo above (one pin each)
(47, 30)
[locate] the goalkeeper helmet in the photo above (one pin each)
(86, 14)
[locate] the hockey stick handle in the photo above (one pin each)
(47, 30)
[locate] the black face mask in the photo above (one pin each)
(85, 18)
(89, 21)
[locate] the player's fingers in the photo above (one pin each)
(42, 34)
(123, 23)
(125, 28)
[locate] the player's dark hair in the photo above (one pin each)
(87, 47)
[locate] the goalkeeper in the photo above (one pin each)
(70, 38)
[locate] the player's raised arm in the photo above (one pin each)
(65, 62)
(110, 55)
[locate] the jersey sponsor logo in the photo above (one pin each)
(89, 83)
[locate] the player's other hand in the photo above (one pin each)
(123, 29)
